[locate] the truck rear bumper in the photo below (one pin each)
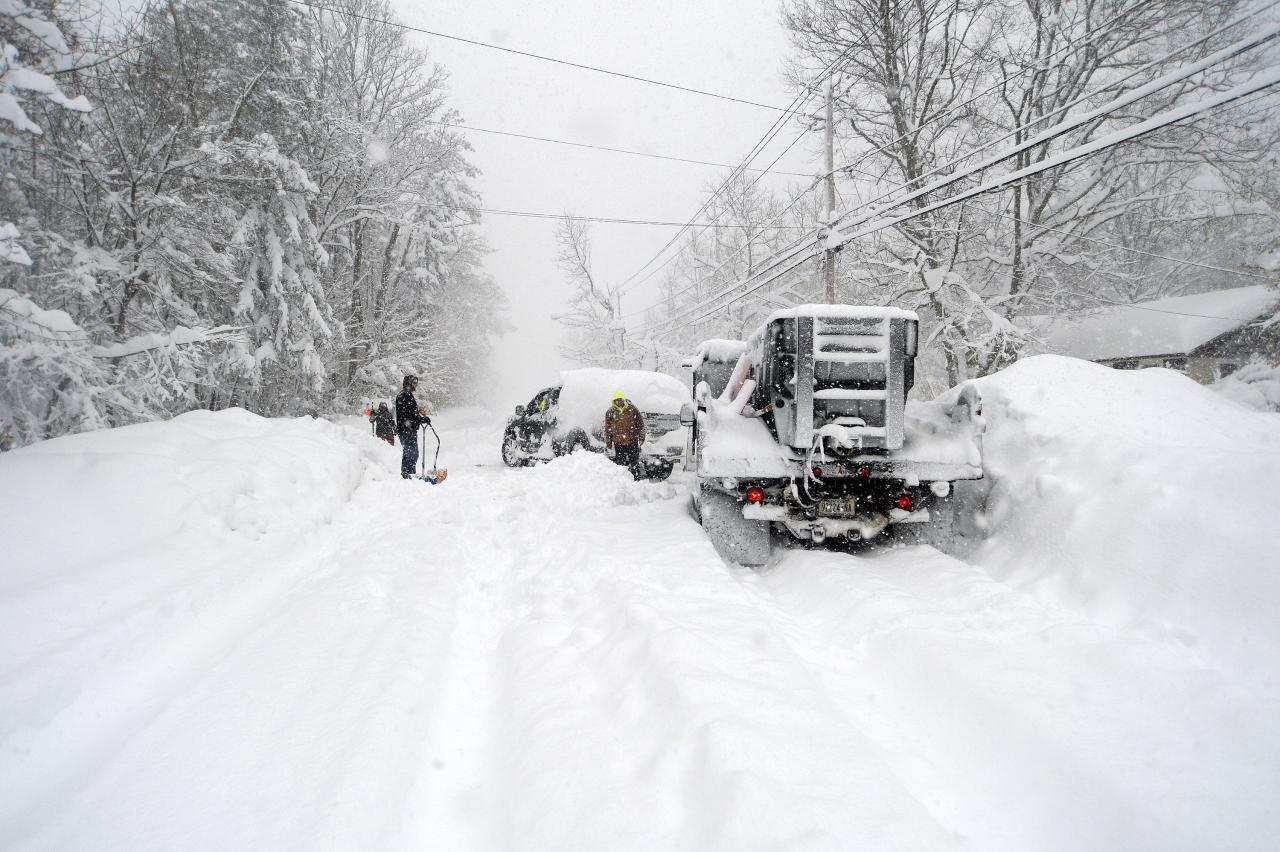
(864, 525)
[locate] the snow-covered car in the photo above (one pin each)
(570, 416)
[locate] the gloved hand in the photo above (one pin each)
(426, 420)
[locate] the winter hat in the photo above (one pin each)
(409, 379)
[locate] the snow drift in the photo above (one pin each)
(1142, 497)
(225, 632)
(132, 558)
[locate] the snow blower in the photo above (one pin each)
(436, 474)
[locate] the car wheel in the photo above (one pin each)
(511, 455)
(659, 471)
(578, 441)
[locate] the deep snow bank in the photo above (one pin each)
(123, 533)
(1142, 497)
(72, 503)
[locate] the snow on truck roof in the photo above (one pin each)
(1174, 326)
(717, 351)
(842, 312)
(836, 312)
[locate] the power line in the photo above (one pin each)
(582, 66)
(774, 129)
(670, 259)
(1048, 134)
(1178, 260)
(1052, 132)
(1073, 122)
(851, 167)
(1082, 41)
(1263, 80)
(529, 214)
(603, 148)
(631, 283)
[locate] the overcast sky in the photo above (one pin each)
(736, 47)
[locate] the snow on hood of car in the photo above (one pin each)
(586, 394)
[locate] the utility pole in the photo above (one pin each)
(619, 330)
(829, 262)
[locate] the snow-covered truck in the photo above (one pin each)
(570, 416)
(806, 428)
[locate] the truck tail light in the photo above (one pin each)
(906, 502)
(755, 494)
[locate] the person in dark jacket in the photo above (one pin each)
(384, 425)
(624, 433)
(409, 416)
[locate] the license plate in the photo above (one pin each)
(838, 508)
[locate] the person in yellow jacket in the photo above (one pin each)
(624, 433)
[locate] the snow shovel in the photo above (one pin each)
(436, 474)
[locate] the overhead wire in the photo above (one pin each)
(460, 126)
(1164, 81)
(320, 7)
(1262, 81)
(848, 167)
(672, 258)
(800, 98)
(1051, 133)
(530, 214)
(1240, 47)
(773, 130)
(1178, 260)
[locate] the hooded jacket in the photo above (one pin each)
(623, 426)
(383, 424)
(407, 417)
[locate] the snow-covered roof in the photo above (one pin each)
(1163, 327)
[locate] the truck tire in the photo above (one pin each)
(939, 533)
(735, 538)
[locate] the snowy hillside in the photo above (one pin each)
(234, 632)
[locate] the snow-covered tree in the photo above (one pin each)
(259, 210)
(929, 83)
(593, 329)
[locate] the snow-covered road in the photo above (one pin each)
(555, 658)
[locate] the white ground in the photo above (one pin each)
(231, 633)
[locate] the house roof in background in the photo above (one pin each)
(1174, 326)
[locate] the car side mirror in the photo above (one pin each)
(686, 414)
(519, 411)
